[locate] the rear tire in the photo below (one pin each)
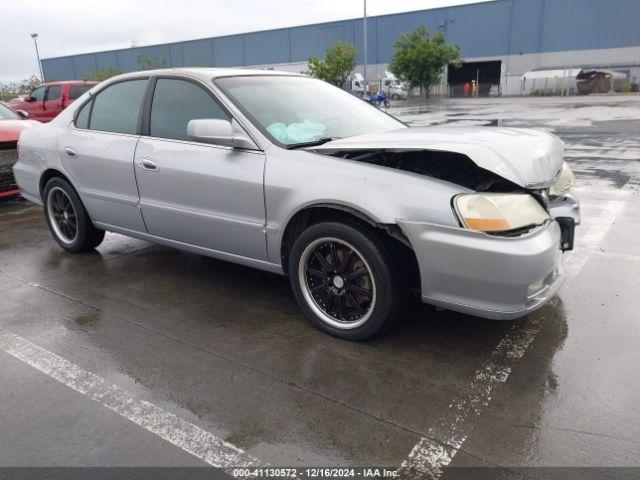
(67, 218)
(345, 280)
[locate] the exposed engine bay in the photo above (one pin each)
(449, 166)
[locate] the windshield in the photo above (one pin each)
(7, 114)
(300, 110)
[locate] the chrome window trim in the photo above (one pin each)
(201, 144)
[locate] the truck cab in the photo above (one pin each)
(357, 84)
(49, 99)
(394, 87)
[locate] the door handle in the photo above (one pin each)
(70, 152)
(148, 164)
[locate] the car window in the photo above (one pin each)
(38, 94)
(76, 91)
(293, 110)
(117, 107)
(54, 92)
(7, 114)
(175, 102)
(82, 119)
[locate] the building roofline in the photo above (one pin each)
(275, 29)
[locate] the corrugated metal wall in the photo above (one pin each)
(496, 28)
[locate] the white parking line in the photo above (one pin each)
(168, 426)
(443, 441)
(426, 459)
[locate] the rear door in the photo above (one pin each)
(98, 149)
(52, 102)
(201, 194)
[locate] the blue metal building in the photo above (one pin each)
(520, 34)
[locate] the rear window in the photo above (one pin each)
(117, 107)
(76, 91)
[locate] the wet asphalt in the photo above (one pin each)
(225, 347)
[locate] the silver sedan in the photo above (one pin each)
(288, 174)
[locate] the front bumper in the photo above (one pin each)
(484, 275)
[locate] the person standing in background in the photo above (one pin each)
(466, 89)
(474, 89)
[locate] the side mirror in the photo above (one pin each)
(28, 98)
(23, 114)
(218, 132)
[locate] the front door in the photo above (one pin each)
(205, 195)
(35, 106)
(98, 153)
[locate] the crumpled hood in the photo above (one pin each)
(522, 156)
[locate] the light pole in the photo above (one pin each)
(365, 46)
(35, 41)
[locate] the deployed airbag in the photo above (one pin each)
(296, 132)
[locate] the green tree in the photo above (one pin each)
(420, 57)
(339, 61)
(147, 63)
(102, 74)
(29, 84)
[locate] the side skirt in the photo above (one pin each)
(207, 252)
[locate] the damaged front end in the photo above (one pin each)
(500, 206)
(448, 166)
(514, 210)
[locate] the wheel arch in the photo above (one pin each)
(390, 234)
(50, 173)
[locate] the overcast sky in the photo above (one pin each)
(79, 26)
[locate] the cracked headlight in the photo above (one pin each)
(565, 181)
(499, 212)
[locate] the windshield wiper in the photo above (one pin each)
(313, 143)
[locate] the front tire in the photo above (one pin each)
(67, 218)
(345, 280)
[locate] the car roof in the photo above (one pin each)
(206, 74)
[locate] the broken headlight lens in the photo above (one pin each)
(499, 212)
(565, 181)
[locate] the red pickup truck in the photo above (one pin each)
(49, 99)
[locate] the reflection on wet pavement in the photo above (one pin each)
(225, 347)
